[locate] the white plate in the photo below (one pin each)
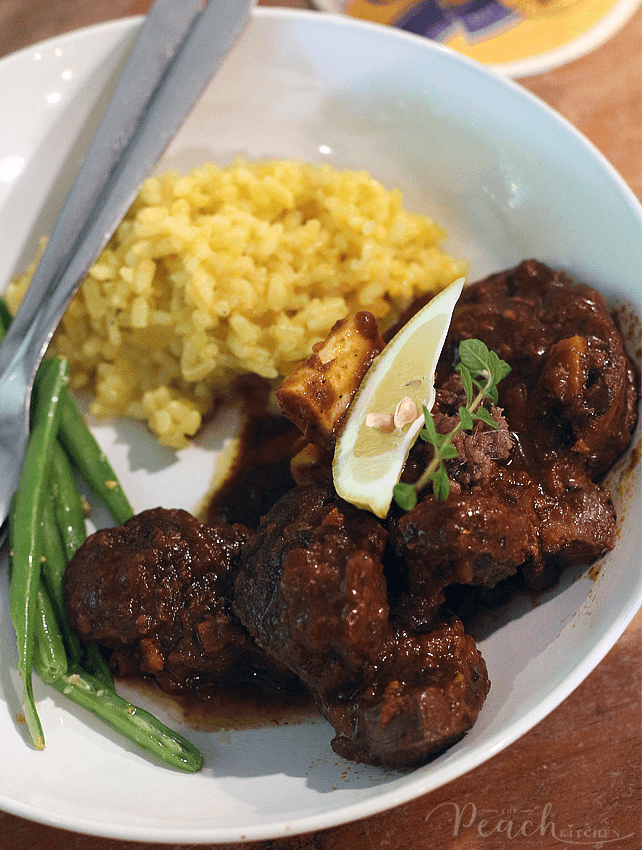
(509, 179)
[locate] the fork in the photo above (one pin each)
(180, 45)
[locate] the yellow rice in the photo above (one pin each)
(236, 270)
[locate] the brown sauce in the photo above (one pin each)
(247, 706)
(258, 476)
(235, 706)
(260, 473)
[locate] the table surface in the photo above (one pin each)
(582, 763)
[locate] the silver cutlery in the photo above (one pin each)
(178, 49)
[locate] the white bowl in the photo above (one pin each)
(509, 179)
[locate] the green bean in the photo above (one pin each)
(5, 318)
(24, 522)
(37, 606)
(90, 460)
(83, 449)
(97, 666)
(50, 657)
(70, 519)
(67, 501)
(53, 574)
(133, 722)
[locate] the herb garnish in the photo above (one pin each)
(480, 370)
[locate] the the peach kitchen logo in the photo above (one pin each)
(519, 823)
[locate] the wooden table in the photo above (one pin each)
(576, 775)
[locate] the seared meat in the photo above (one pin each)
(312, 591)
(157, 592)
(479, 536)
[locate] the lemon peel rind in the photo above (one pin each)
(373, 490)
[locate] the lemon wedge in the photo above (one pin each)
(373, 446)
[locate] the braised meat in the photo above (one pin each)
(523, 498)
(571, 397)
(311, 585)
(313, 593)
(157, 592)
(325, 593)
(418, 697)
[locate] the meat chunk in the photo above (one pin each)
(571, 396)
(586, 398)
(422, 695)
(526, 498)
(157, 592)
(313, 593)
(479, 536)
(311, 587)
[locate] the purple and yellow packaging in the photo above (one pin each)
(517, 37)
